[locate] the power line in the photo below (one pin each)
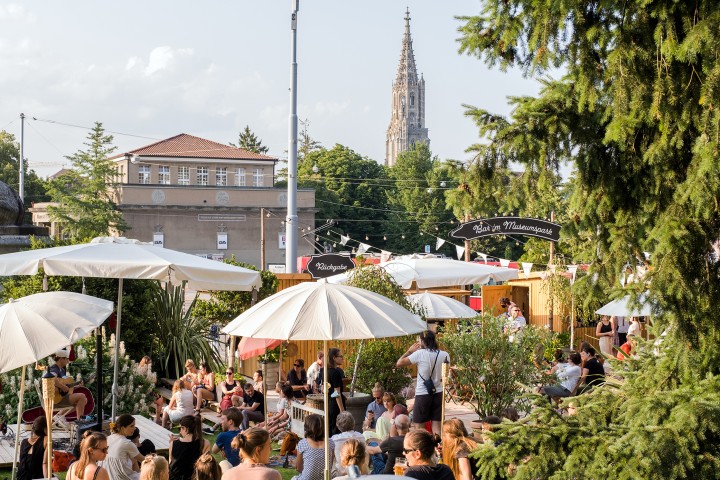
(56, 122)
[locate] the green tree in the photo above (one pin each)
(35, 187)
(86, 193)
(247, 140)
(306, 143)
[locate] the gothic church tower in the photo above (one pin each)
(407, 119)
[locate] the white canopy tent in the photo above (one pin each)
(440, 307)
(624, 307)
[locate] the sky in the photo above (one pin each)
(150, 70)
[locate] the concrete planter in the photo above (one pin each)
(357, 405)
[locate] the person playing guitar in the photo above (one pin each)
(58, 370)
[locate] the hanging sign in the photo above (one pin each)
(329, 264)
(222, 241)
(159, 240)
(282, 241)
(533, 227)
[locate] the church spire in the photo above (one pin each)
(407, 119)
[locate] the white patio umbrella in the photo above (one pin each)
(441, 307)
(33, 327)
(622, 307)
(322, 311)
(437, 272)
(119, 257)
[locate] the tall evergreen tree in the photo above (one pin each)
(86, 193)
(247, 140)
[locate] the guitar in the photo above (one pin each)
(68, 382)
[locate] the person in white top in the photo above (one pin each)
(346, 424)
(516, 322)
(181, 404)
(313, 371)
(429, 359)
(123, 458)
(567, 377)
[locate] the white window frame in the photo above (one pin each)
(164, 174)
(221, 176)
(202, 175)
(240, 177)
(258, 177)
(183, 175)
(144, 174)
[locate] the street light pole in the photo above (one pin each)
(21, 163)
(291, 223)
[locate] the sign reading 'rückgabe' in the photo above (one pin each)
(329, 264)
(533, 227)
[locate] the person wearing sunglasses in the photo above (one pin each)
(93, 449)
(419, 449)
(298, 379)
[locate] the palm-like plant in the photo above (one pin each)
(180, 334)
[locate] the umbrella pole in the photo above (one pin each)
(444, 370)
(264, 387)
(572, 322)
(19, 422)
(326, 388)
(117, 351)
(48, 384)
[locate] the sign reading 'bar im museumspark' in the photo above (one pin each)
(484, 227)
(328, 264)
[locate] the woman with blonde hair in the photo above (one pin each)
(93, 449)
(456, 445)
(154, 467)
(181, 404)
(353, 452)
(254, 446)
(207, 468)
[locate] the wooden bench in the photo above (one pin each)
(166, 393)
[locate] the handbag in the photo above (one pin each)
(61, 460)
(428, 382)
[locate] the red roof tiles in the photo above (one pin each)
(189, 146)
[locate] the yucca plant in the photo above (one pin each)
(179, 333)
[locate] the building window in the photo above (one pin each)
(221, 176)
(164, 175)
(183, 175)
(258, 177)
(144, 174)
(240, 177)
(202, 175)
(412, 100)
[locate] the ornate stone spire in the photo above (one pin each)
(407, 118)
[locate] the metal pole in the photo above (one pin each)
(291, 222)
(552, 256)
(117, 352)
(326, 408)
(19, 423)
(262, 239)
(21, 163)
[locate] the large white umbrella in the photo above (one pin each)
(33, 327)
(118, 257)
(437, 272)
(441, 307)
(623, 307)
(322, 311)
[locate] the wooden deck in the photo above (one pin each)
(148, 429)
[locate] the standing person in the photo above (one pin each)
(253, 407)
(429, 359)
(123, 457)
(154, 467)
(254, 445)
(93, 449)
(207, 468)
(506, 304)
(334, 398)
(181, 404)
(311, 449)
(59, 371)
(187, 448)
(205, 389)
(33, 461)
(456, 446)
(376, 408)
(298, 379)
(419, 448)
(230, 421)
(622, 324)
(605, 332)
(313, 371)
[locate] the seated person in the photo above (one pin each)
(346, 425)
(593, 373)
(181, 404)
(229, 388)
(205, 388)
(384, 424)
(230, 421)
(59, 371)
(258, 383)
(375, 409)
(393, 445)
(353, 452)
(253, 407)
(145, 447)
(568, 379)
(297, 378)
(191, 374)
(281, 419)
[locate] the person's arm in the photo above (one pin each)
(173, 401)
(216, 448)
(338, 399)
(404, 361)
(614, 326)
(465, 470)
(102, 474)
(252, 407)
(44, 463)
(299, 462)
(206, 447)
(585, 372)
(172, 440)
(210, 382)
(223, 388)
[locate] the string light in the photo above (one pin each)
(366, 238)
(384, 237)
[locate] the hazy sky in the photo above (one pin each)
(159, 68)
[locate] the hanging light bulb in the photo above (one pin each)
(452, 221)
(317, 238)
(334, 245)
(366, 238)
(403, 236)
(384, 237)
(436, 228)
(267, 214)
(442, 184)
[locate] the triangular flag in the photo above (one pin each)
(504, 262)
(439, 243)
(343, 239)
(385, 256)
(484, 255)
(572, 269)
(460, 251)
(527, 266)
(552, 268)
(362, 248)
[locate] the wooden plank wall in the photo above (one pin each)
(540, 307)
